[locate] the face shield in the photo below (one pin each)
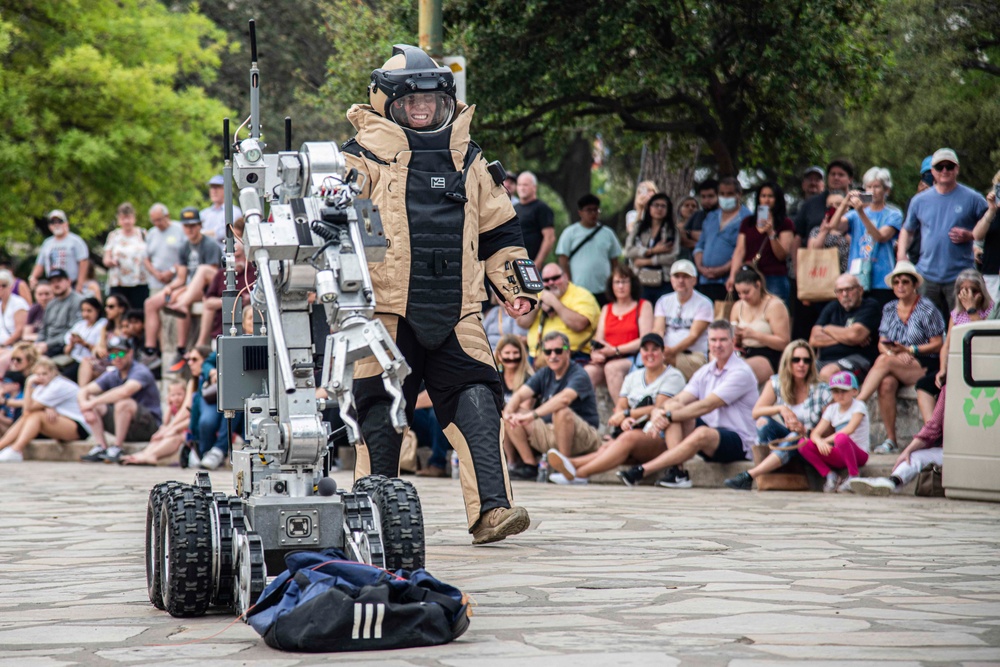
(423, 112)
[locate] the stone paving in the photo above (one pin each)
(604, 576)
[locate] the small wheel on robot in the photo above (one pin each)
(250, 571)
(402, 523)
(185, 551)
(154, 577)
(368, 483)
(222, 550)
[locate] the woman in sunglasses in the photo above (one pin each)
(50, 409)
(512, 361)
(792, 402)
(910, 338)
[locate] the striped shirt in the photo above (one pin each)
(925, 322)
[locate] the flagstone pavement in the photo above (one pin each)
(604, 576)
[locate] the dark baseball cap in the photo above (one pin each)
(119, 343)
(190, 216)
(55, 274)
(654, 338)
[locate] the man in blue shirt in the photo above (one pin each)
(945, 215)
(713, 255)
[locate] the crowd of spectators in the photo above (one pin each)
(690, 317)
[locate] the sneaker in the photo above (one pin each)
(631, 476)
(113, 454)
(742, 482)
(559, 478)
(11, 455)
(524, 471)
(675, 478)
(432, 471)
(887, 447)
(559, 461)
(499, 523)
(179, 362)
(845, 486)
(832, 481)
(212, 459)
(872, 486)
(150, 360)
(95, 455)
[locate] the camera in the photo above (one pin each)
(996, 192)
(865, 197)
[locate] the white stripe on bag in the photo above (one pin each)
(370, 616)
(357, 621)
(378, 621)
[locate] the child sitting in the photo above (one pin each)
(841, 437)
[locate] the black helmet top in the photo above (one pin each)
(413, 91)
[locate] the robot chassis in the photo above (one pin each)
(206, 548)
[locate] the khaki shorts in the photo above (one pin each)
(542, 437)
(688, 362)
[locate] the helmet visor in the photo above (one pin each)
(423, 112)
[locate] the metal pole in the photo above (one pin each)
(430, 28)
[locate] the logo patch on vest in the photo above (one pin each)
(437, 182)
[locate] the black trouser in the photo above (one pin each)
(465, 389)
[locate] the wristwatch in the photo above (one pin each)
(971, 311)
(669, 415)
(627, 412)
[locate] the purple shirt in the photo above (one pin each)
(736, 385)
(148, 396)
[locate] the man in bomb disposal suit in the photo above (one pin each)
(447, 219)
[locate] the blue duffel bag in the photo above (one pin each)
(324, 602)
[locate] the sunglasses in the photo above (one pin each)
(552, 279)
(801, 360)
(116, 355)
(557, 350)
(19, 360)
(56, 221)
(944, 166)
(902, 281)
(510, 360)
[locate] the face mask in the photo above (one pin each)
(727, 203)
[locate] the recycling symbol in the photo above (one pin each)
(969, 407)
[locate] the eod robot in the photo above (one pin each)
(311, 249)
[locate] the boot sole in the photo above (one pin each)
(517, 522)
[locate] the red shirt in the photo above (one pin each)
(624, 329)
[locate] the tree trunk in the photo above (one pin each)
(572, 178)
(671, 165)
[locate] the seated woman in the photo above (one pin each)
(910, 338)
(50, 409)
(654, 383)
(511, 356)
(13, 317)
(207, 423)
(169, 438)
(795, 395)
(623, 321)
(116, 307)
(760, 321)
(83, 336)
(972, 304)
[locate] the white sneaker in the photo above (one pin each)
(832, 480)
(873, 486)
(559, 461)
(212, 459)
(559, 478)
(11, 455)
(887, 447)
(845, 486)
(194, 460)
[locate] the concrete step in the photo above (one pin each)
(53, 450)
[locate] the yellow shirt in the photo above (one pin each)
(579, 301)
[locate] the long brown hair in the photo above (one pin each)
(785, 379)
(523, 369)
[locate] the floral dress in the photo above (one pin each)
(129, 251)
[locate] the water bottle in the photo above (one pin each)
(543, 470)
(454, 464)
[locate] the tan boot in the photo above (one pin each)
(498, 523)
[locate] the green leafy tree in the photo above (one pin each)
(102, 102)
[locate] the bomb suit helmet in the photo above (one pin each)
(413, 91)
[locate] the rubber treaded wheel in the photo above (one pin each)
(154, 582)
(186, 551)
(402, 524)
(369, 483)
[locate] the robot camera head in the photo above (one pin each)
(413, 91)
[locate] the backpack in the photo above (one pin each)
(324, 602)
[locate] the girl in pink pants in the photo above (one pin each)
(840, 440)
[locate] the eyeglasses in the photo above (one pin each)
(116, 355)
(801, 360)
(944, 166)
(552, 279)
(56, 221)
(557, 350)
(845, 290)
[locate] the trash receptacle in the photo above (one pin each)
(971, 467)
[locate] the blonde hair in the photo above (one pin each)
(648, 185)
(28, 351)
(785, 379)
(523, 370)
(44, 362)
